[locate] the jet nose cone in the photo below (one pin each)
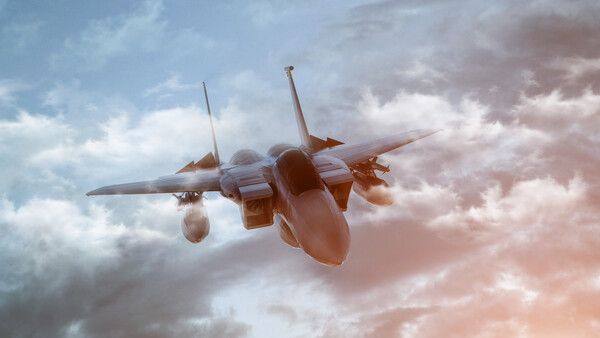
(320, 228)
(329, 249)
(332, 257)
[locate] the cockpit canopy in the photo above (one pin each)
(279, 148)
(298, 171)
(245, 156)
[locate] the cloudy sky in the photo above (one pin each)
(496, 227)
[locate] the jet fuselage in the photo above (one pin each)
(301, 198)
(302, 190)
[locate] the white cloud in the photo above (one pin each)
(554, 113)
(267, 12)
(75, 103)
(18, 36)
(574, 68)
(23, 137)
(31, 132)
(497, 171)
(172, 84)
(422, 72)
(536, 202)
(130, 144)
(161, 136)
(470, 141)
(466, 125)
(423, 202)
(121, 147)
(406, 111)
(44, 232)
(82, 258)
(107, 38)
(8, 89)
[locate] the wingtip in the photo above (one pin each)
(92, 192)
(433, 131)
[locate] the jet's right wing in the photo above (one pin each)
(356, 153)
(198, 181)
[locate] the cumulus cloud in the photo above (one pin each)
(24, 136)
(510, 174)
(528, 203)
(556, 113)
(493, 232)
(162, 137)
(58, 251)
(72, 264)
(57, 151)
(575, 68)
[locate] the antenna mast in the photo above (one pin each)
(212, 129)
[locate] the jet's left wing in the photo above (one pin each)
(197, 181)
(356, 153)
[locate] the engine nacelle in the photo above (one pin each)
(284, 231)
(195, 225)
(374, 189)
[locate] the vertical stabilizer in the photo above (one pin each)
(212, 129)
(304, 136)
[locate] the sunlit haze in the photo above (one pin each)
(495, 227)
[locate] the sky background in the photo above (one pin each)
(495, 230)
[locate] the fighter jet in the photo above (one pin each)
(303, 190)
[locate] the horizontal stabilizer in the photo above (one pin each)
(188, 167)
(207, 162)
(320, 144)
